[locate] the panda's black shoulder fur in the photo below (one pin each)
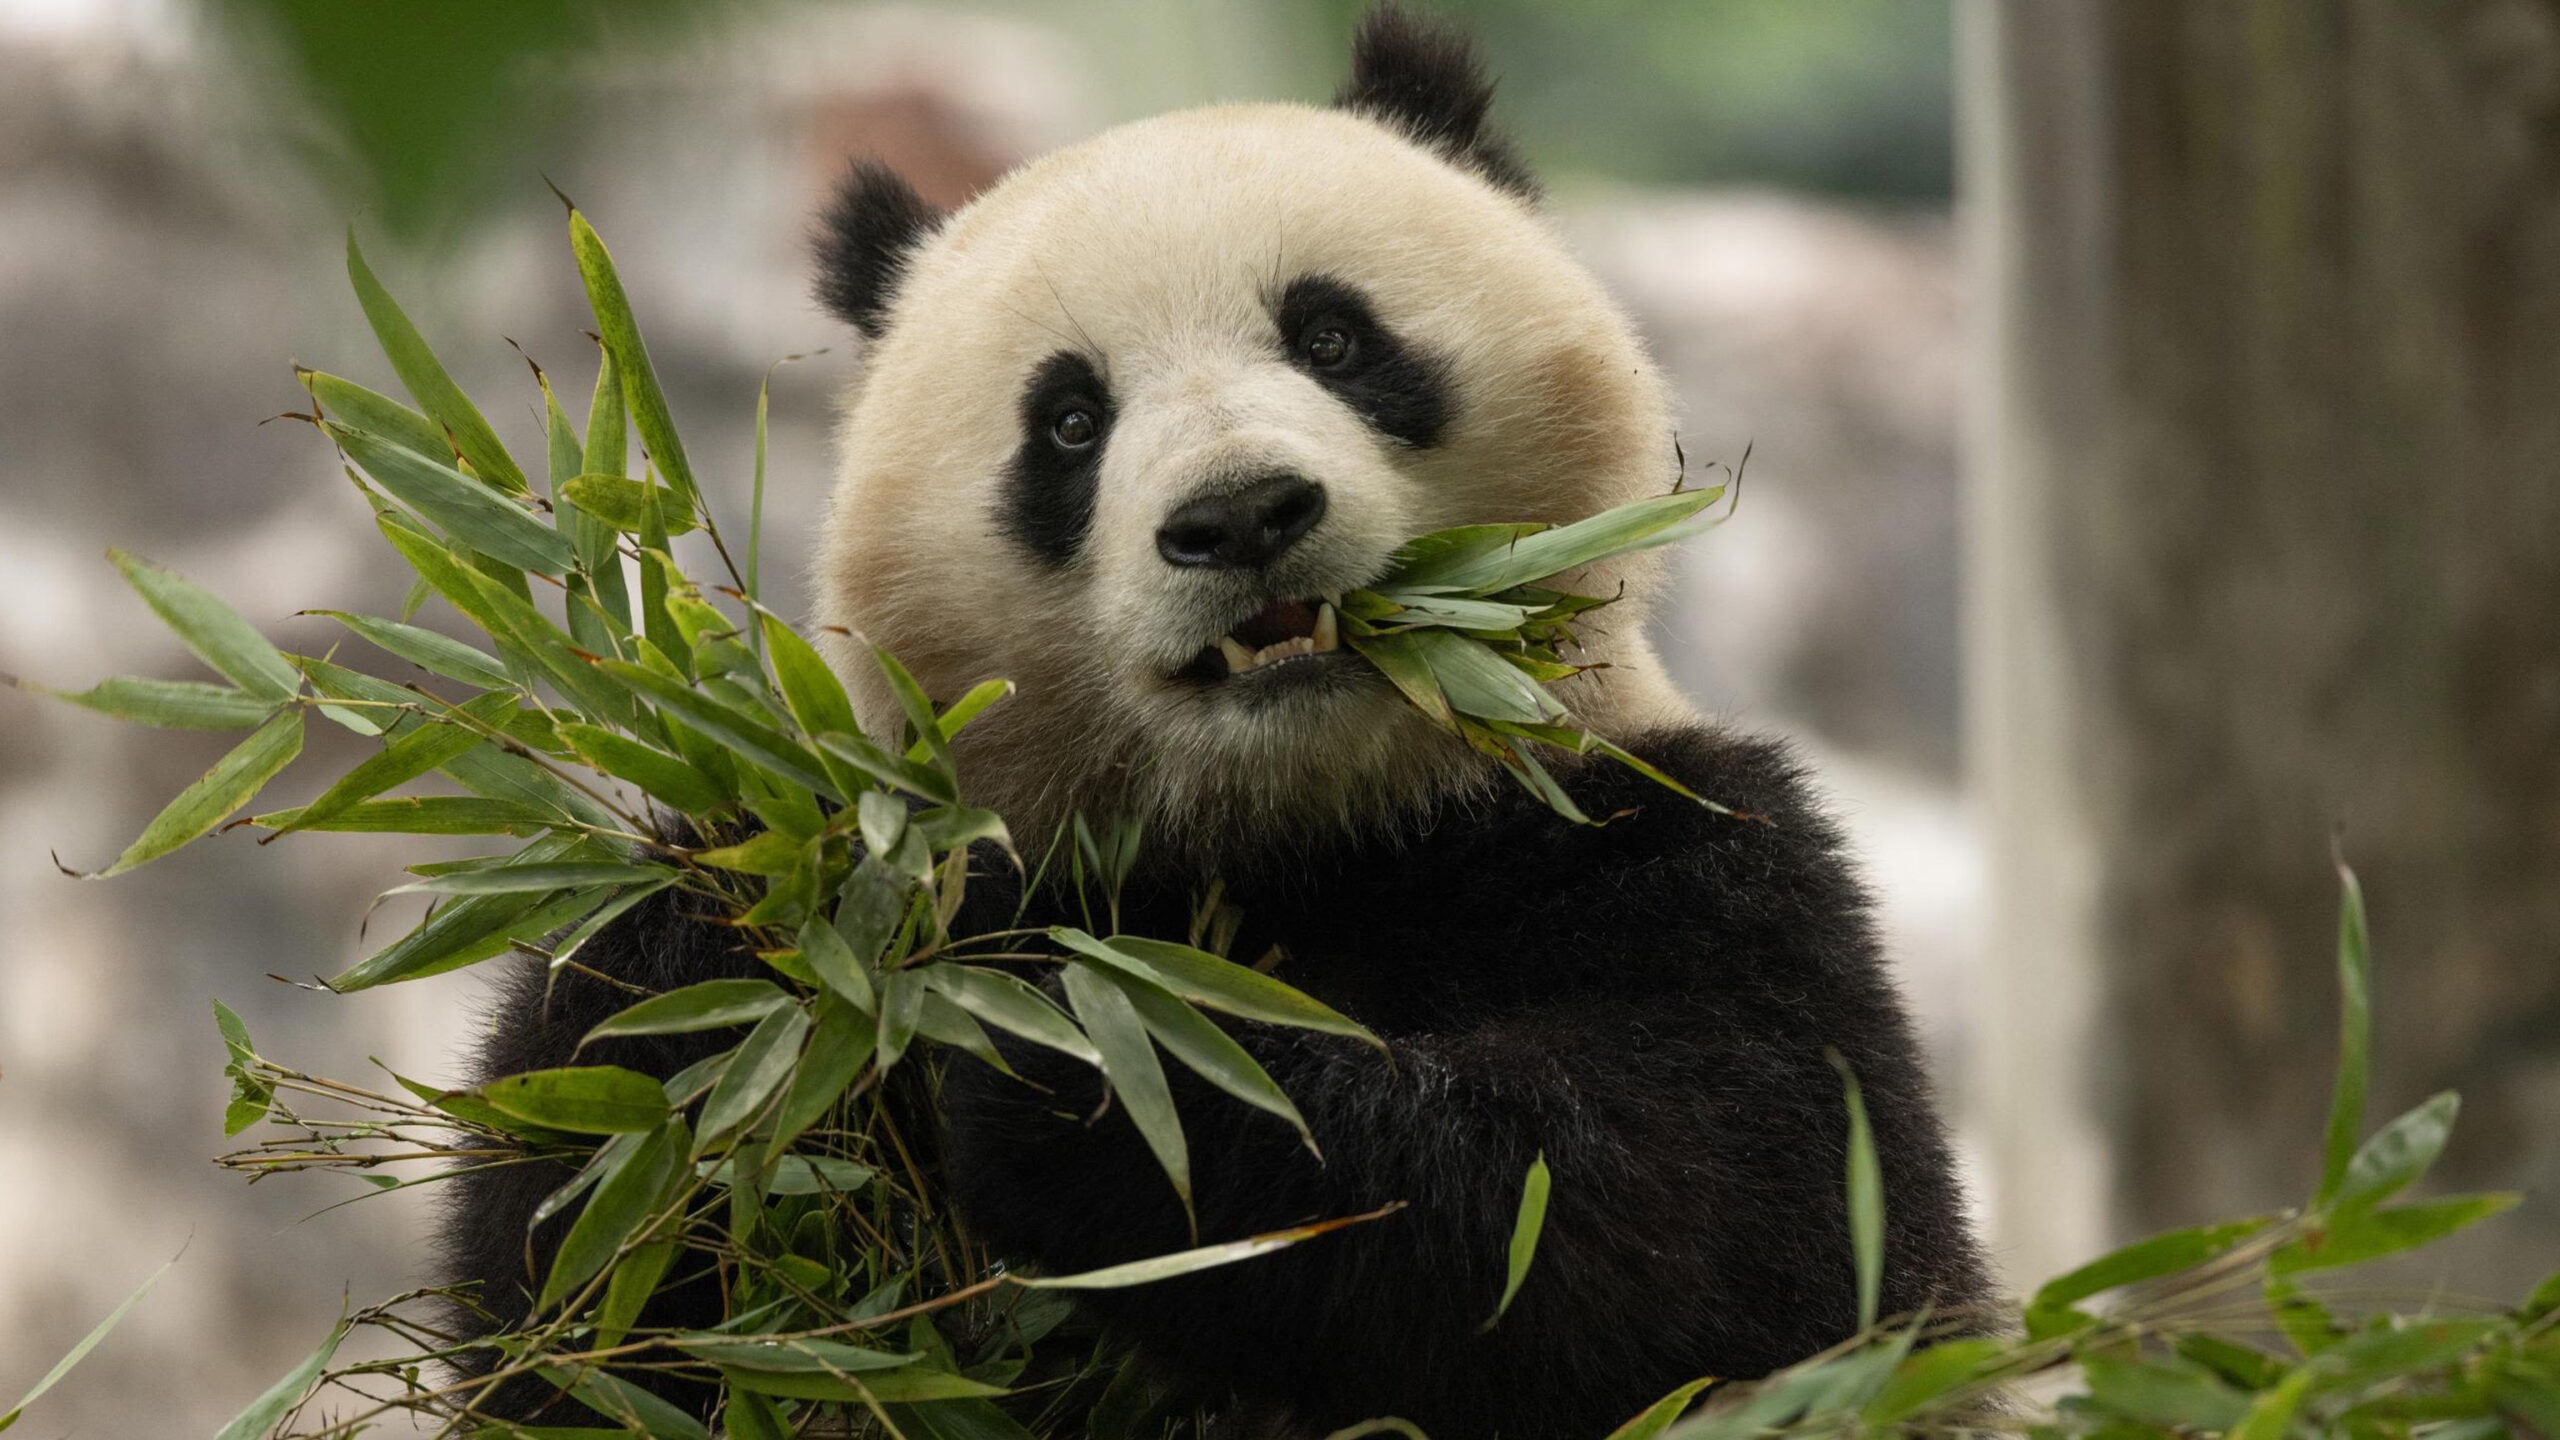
(1427, 80)
(1648, 1004)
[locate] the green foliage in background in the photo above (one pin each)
(603, 692)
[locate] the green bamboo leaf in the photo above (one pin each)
(472, 513)
(665, 778)
(520, 878)
(1399, 657)
(582, 1099)
(809, 685)
(790, 1357)
(2353, 1237)
(2146, 1259)
(770, 853)
(2399, 1152)
(1211, 1053)
(425, 648)
(839, 1047)
(623, 503)
(1205, 1257)
(423, 749)
(1419, 561)
(648, 403)
(889, 769)
(761, 745)
(371, 410)
(426, 380)
(2355, 1035)
(939, 1019)
(835, 964)
(1129, 1061)
(1014, 1006)
(88, 1342)
(164, 704)
(1624, 529)
(627, 1195)
(1524, 1235)
(709, 1005)
(508, 618)
(903, 1386)
(1930, 1376)
(901, 1002)
(2176, 1395)
(1478, 682)
(465, 933)
(634, 1281)
(1655, 1418)
(919, 711)
(211, 630)
(961, 711)
(638, 1411)
(487, 772)
(604, 915)
(269, 1409)
(764, 1062)
(234, 781)
(1866, 1196)
(1206, 979)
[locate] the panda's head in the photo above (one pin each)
(1132, 416)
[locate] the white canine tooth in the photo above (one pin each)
(1239, 659)
(1328, 630)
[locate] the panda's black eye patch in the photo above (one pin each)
(1047, 496)
(1401, 389)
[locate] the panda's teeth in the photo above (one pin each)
(1239, 659)
(1328, 630)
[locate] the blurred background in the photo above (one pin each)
(2155, 430)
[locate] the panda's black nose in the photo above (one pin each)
(1244, 527)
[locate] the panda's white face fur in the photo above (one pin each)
(1167, 385)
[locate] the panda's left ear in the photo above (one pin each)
(865, 237)
(1425, 78)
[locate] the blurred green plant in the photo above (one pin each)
(854, 1303)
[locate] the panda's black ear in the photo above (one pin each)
(865, 236)
(1425, 78)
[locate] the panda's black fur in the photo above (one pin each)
(1649, 1004)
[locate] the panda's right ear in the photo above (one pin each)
(865, 236)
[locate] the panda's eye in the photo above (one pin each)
(1074, 429)
(1330, 347)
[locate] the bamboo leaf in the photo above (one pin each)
(835, 964)
(1657, 1417)
(520, 878)
(1205, 1257)
(211, 630)
(234, 781)
(1866, 1196)
(1129, 1061)
(2399, 1152)
(2355, 1035)
(582, 1099)
(708, 1005)
(268, 1409)
(760, 744)
(1524, 1234)
(374, 411)
(2353, 1237)
(665, 778)
(621, 331)
(1206, 979)
(426, 380)
(88, 1342)
(423, 749)
(763, 1063)
(425, 648)
(1209, 1052)
(166, 704)
(626, 1195)
(963, 710)
(1016, 1007)
(472, 513)
(623, 503)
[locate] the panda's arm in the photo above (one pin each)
(487, 1239)
(1695, 1131)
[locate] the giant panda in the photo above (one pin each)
(1126, 423)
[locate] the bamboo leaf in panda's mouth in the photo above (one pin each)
(1465, 628)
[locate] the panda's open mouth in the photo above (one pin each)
(1282, 633)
